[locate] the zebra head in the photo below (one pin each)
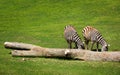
(81, 45)
(105, 48)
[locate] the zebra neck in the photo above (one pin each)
(78, 41)
(102, 42)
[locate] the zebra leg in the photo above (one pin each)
(87, 42)
(92, 45)
(76, 47)
(69, 44)
(97, 46)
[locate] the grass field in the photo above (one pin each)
(42, 22)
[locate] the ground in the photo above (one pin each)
(42, 23)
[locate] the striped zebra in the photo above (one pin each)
(93, 35)
(72, 36)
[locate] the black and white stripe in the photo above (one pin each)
(71, 35)
(93, 35)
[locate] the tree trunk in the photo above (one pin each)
(86, 55)
(19, 46)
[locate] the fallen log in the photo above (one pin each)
(86, 55)
(19, 46)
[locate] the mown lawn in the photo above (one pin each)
(42, 22)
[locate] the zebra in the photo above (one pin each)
(71, 36)
(93, 35)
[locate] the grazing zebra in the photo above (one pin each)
(71, 35)
(93, 35)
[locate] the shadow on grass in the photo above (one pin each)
(99, 50)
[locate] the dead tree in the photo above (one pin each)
(23, 49)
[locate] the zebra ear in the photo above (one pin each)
(108, 44)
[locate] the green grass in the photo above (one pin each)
(42, 22)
